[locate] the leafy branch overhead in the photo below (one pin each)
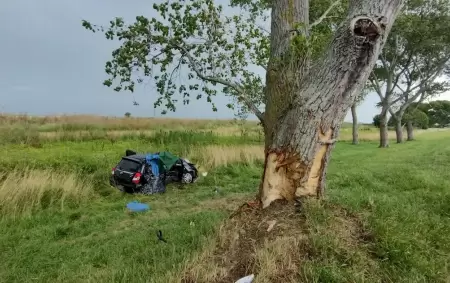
(192, 38)
(192, 50)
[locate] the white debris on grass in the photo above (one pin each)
(246, 279)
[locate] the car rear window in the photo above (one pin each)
(129, 165)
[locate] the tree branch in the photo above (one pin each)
(423, 85)
(396, 56)
(400, 88)
(393, 114)
(383, 60)
(238, 88)
(396, 100)
(432, 75)
(402, 71)
(264, 29)
(325, 14)
(376, 85)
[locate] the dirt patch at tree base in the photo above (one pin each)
(250, 242)
(270, 243)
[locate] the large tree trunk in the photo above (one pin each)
(409, 131)
(306, 106)
(398, 130)
(355, 125)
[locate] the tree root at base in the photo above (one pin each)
(273, 244)
(244, 242)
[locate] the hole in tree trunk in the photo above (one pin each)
(366, 28)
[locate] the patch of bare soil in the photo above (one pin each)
(270, 243)
(253, 241)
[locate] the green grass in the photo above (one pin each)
(400, 196)
(100, 241)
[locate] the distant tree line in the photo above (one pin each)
(433, 114)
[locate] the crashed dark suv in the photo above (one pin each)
(133, 173)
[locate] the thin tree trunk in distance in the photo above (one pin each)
(355, 139)
(384, 136)
(409, 131)
(398, 130)
(305, 106)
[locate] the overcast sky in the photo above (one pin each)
(49, 64)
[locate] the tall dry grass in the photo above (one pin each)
(210, 157)
(86, 122)
(32, 136)
(82, 135)
(37, 130)
(24, 192)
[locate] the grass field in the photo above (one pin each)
(386, 217)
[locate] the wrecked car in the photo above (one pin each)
(150, 173)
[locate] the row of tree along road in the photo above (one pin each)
(298, 65)
(413, 68)
(433, 114)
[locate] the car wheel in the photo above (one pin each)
(187, 178)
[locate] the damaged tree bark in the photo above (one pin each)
(307, 101)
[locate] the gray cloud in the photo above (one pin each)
(20, 88)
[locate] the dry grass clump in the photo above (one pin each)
(274, 263)
(373, 134)
(23, 192)
(246, 245)
(250, 129)
(214, 156)
(282, 243)
(229, 131)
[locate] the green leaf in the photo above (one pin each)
(107, 83)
